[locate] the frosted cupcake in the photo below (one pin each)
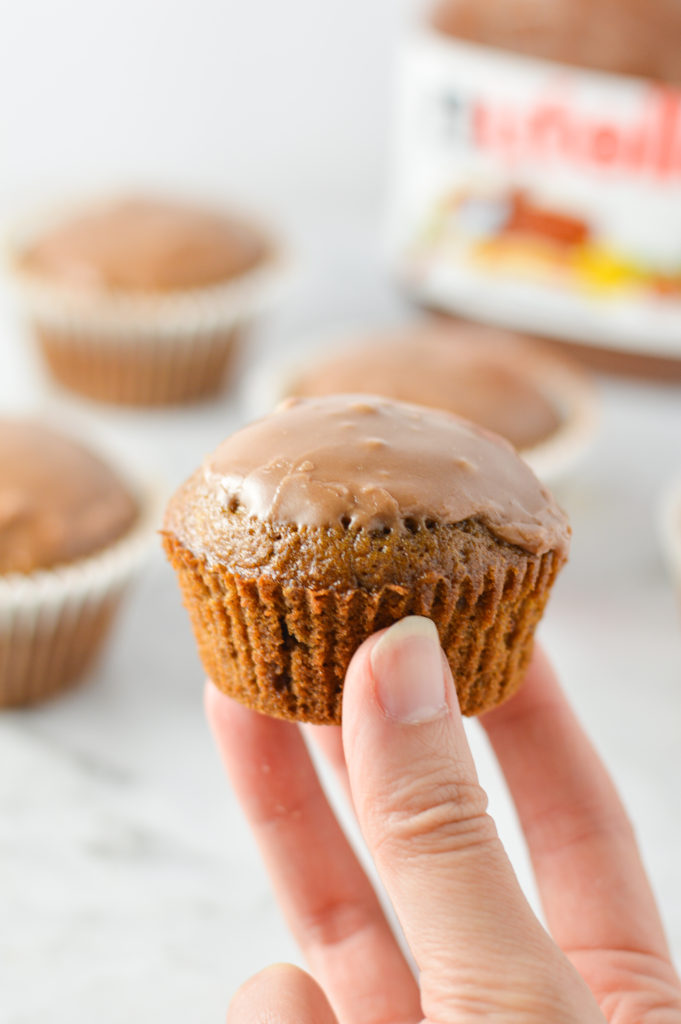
(544, 405)
(332, 518)
(143, 301)
(72, 534)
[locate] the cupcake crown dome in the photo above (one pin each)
(58, 501)
(368, 462)
(139, 244)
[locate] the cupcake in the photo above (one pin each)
(71, 536)
(334, 517)
(508, 384)
(142, 301)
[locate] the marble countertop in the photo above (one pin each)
(129, 884)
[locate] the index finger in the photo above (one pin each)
(586, 861)
(329, 902)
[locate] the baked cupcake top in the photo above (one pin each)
(489, 377)
(144, 245)
(364, 463)
(58, 502)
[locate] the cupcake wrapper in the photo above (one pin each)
(53, 622)
(284, 650)
(147, 371)
(145, 349)
(208, 310)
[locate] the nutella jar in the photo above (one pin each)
(538, 180)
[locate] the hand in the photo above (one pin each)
(480, 951)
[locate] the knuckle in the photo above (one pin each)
(433, 811)
(631, 985)
(335, 921)
(559, 828)
(513, 988)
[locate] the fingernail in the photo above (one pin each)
(407, 667)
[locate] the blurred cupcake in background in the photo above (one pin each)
(72, 535)
(140, 300)
(544, 405)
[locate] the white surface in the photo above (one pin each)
(129, 885)
(669, 519)
(128, 878)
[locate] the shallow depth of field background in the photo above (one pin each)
(129, 885)
(285, 105)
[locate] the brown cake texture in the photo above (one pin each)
(144, 245)
(61, 508)
(492, 377)
(130, 301)
(309, 530)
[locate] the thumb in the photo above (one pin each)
(281, 994)
(424, 816)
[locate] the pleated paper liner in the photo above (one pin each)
(144, 349)
(283, 649)
(53, 622)
(148, 371)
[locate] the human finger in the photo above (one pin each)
(424, 816)
(326, 897)
(586, 861)
(281, 994)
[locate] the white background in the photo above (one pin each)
(274, 102)
(129, 885)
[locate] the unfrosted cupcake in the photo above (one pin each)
(71, 537)
(140, 300)
(332, 518)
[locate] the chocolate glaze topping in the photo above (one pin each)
(144, 245)
(366, 462)
(58, 502)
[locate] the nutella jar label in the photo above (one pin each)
(539, 196)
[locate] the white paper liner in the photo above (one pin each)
(44, 613)
(571, 390)
(194, 312)
(574, 396)
(152, 371)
